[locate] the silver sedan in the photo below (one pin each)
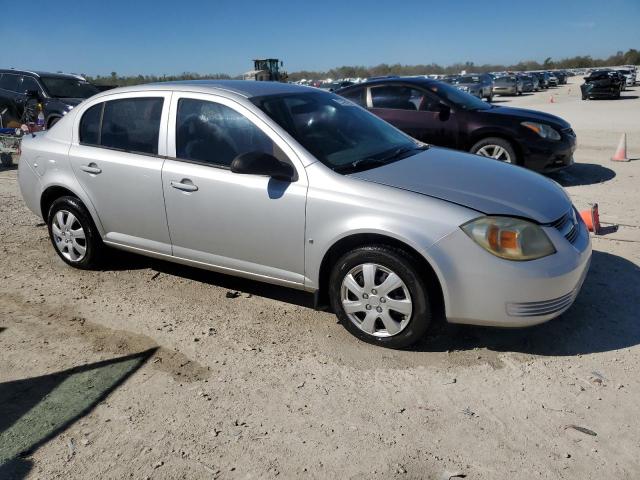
(303, 188)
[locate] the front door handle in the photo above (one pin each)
(185, 185)
(91, 168)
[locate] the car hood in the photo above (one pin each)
(529, 115)
(71, 101)
(485, 185)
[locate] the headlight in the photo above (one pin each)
(509, 238)
(545, 131)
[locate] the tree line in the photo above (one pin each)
(630, 57)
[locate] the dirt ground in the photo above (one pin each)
(151, 370)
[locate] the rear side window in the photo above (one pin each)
(132, 124)
(356, 95)
(90, 125)
(398, 98)
(9, 81)
(215, 134)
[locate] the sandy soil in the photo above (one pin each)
(151, 370)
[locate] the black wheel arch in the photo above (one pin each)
(51, 194)
(351, 242)
(52, 117)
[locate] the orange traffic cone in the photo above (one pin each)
(551, 100)
(621, 152)
(591, 218)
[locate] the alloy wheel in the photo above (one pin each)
(376, 300)
(69, 236)
(495, 151)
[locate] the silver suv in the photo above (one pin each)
(303, 188)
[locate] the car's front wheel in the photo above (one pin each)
(73, 233)
(497, 148)
(380, 297)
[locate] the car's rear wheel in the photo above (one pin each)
(6, 160)
(73, 233)
(497, 148)
(380, 297)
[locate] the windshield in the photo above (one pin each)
(61, 87)
(336, 131)
(459, 98)
(505, 81)
(468, 80)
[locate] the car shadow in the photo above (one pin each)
(35, 410)
(582, 174)
(603, 318)
(230, 282)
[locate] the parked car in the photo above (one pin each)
(629, 77)
(450, 79)
(480, 86)
(536, 82)
(552, 80)
(440, 114)
(601, 84)
(507, 85)
(561, 76)
(543, 78)
(333, 86)
(302, 188)
(527, 83)
(57, 93)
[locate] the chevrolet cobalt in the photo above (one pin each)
(303, 188)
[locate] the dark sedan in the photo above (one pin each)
(440, 114)
(601, 84)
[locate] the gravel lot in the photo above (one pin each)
(152, 370)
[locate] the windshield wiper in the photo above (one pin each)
(376, 160)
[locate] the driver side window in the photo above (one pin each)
(214, 134)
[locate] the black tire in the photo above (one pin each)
(490, 98)
(92, 241)
(52, 122)
(6, 159)
(403, 265)
(497, 141)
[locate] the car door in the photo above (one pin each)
(11, 102)
(249, 225)
(116, 154)
(416, 112)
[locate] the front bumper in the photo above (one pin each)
(482, 289)
(548, 156)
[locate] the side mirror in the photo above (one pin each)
(444, 111)
(260, 163)
(33, 94)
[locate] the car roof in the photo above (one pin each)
(245, 88)
(39, 74)
(418, 81)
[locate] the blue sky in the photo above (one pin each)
(156, 37)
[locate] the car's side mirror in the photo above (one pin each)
(33, 94)
(260, 163)
(444, 111)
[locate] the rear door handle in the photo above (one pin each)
(91, 168)
(185, 185)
